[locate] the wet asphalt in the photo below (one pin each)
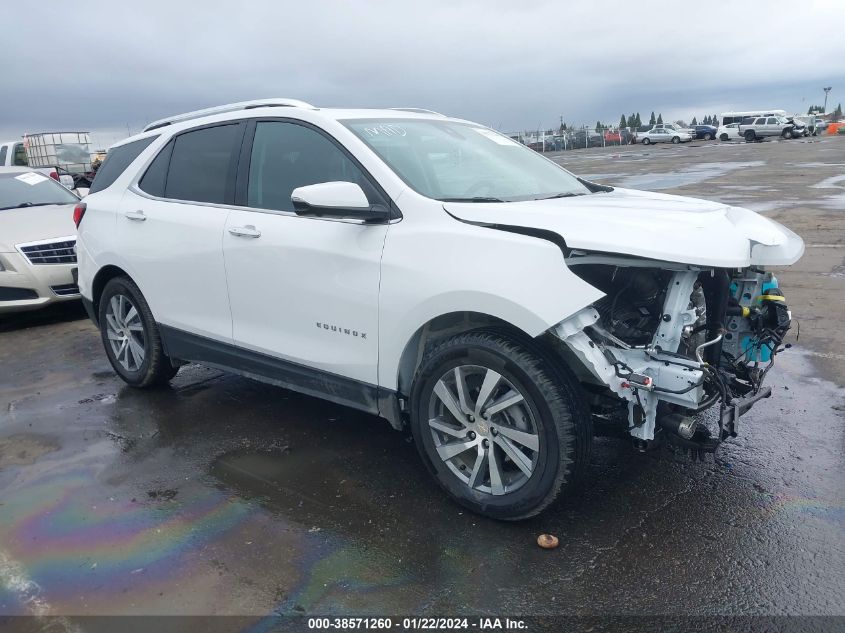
(220, 495)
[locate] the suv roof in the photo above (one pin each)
(213, 113)
(281, 102)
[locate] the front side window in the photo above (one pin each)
(116, 162)
(772, 121)
(3, 152)
(288, 155)
(202, 165)
(452, 161)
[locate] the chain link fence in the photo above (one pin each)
(575, 138)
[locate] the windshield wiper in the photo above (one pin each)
(474, 199)
(568, 194)
(23, 205)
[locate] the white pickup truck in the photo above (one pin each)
(21, 154)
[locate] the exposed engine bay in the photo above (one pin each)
(668, 341)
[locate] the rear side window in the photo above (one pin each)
(154, 180)
(117, 160)
(202, 165)
(3, 151)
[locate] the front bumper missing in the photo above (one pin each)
(740, 406)
(644, 377)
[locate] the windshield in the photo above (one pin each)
(451, 161)
(31, 189)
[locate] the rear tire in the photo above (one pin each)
(724, 137)
(646, 141)
(708, 136)
(131, 337)
(515, 462)
(750, 136)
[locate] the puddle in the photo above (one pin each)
(830, 183)
(683, 177)
(25, 448)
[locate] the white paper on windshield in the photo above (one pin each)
(493, 136)
(31, 178)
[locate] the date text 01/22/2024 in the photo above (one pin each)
(418, 624)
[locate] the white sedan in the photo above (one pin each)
(663, 135)
(729, 132)
(37, 239)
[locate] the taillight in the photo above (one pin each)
(79, 213)
(54, 175)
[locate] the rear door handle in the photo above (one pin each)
(138, 216)
(245, 231)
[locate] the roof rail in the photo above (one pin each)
(231, 107)
(419, 111)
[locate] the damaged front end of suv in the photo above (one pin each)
(670, 340)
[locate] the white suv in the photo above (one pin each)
(436, 273)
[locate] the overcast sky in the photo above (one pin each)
(108, 66)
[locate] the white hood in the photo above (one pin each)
(652, 225)
(30, 224)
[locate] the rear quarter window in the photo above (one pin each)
(117, 160)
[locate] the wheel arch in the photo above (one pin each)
(438, 328)
(103, 276)
(460, 322)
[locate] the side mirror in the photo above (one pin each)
(336, 200)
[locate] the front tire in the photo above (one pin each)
(675, 140)
(708, 136)
(502, 429)
(131, 336)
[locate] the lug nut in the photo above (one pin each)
(472, 435)
(493, 430)
(486, 443)
(471, 419)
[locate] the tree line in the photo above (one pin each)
(820, 108)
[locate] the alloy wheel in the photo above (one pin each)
(483, 429)
(125, 332)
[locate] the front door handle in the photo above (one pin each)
(245, 231)
(138, 216)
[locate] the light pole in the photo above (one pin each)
(826, 90)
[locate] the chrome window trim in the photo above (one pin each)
(232, 207)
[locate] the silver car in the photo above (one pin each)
(37, 240)
(663, 135)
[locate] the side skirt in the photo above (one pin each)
(348, 392)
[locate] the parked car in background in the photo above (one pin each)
(37, 240)
(442, 322)
(587, 138)
(729, 132)
(705, 132)
(765, 127)
(629, 137)
(612, 136)
(675, 127)
(14, 154)
(663, 135)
